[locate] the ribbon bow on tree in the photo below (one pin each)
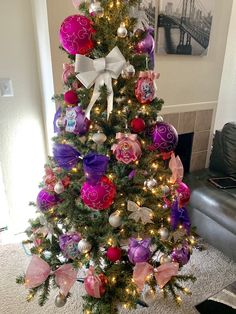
(99, 72)
(176, 167)
(94, 164)
(143, 213)
(163, 273)
(39, 270)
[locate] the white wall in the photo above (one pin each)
(22, 148)
(226, 110)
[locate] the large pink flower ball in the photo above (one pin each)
(76, 35)
(98, 196)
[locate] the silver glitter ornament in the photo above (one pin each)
(122, 31)
(84, 246)
(99, 138)
(115, 220)
(60, 300)
(59, 187)
(149, 296)
(96, 9)
(151, 183)
(164, 233)
(60, 123)
(128, 71)
(165, 259)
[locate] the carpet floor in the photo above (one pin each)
(213, 270)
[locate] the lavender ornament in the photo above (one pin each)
(46, 200)
(147, 45)
(69, 244)
(181, 255)
(139, 250)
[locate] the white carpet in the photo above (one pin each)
(213, 270)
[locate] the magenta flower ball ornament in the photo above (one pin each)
(76, 34)
(98, 196)
(139, 251)
(164, 137)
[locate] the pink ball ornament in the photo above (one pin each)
(98, 196)
(113, 254)
(71, 98)
(145, 90)
(184, 193)
(76, 35)
(164, 137)
(95, 285)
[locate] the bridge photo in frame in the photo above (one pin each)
(184, 26)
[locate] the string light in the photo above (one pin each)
(154, 165)
(51, 210)
(152, 231)
(168, 219)
(74, 170)
(129, 101)
(30, 297)
(178, 299)
(113, 279)
(110, 241)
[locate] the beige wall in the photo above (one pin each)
(184, 79)
(22, 150)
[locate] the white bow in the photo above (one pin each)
(99, 72)
(143, 213)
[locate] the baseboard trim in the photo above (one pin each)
(189, 107)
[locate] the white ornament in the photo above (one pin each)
(59, 187)
(128, 71)
(164, 233)
(149, 296)
(165, 189)
(150, 184)
(99, 138)
(160, 119)
(115, 219)
(96, 9)
(84, 246)
(122, 31)
(143, 213)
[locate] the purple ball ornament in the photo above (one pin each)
(147, 45)
(69, 244)
(139, 251)
(76, 34)
(164, 137)
(46, 200)
(181, 255)
(76, 122)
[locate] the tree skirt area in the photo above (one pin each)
(213, 270)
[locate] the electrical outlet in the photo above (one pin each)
(6, 88)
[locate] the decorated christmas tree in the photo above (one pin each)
(112, 206)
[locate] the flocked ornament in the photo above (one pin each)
(59, 187)
(128, 148)
(84, 246)
(145, 87)
(137, 125)
(150, 183)
(76, 34)
(128, 71)
(46, 200)
(76, 122)
(139, 251)
(164, 137)
(95, 9)
(95, 285)
(113, 254)
(71, 98)
(60, 300)
(122, 31)
(69, 244)
(115, 219)
(164, 233)
(98, 196)
(99, 138)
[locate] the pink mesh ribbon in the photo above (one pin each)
(68, 70)
(149, 74)
(93, 283)
(39, 270)
(163, 273)
(176, 167)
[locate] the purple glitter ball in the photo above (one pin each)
(165, 137)
(139, 250)
(69, 244)
(181, 255)
(46, 200)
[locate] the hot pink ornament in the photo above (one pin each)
(71, 97)
(95, 284)
(98, 196)
(128, 148)
(183, 193)
(76, 35)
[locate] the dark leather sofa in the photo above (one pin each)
(213, 210)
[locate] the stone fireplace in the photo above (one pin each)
(198, 122)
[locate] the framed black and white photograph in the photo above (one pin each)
(184, 26)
